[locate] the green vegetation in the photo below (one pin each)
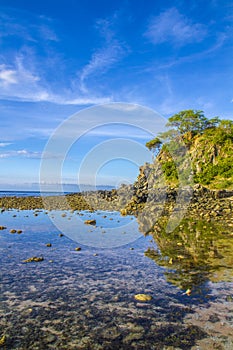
(191, 121)
(154, 145)
(196, 146)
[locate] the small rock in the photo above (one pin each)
(90, 222)
(229, 298)
(143, 297)
(34, 259)
(61, 235)
(188, 292)
(2, 340)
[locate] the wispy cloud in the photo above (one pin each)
(105, 57)
(173, 27)
(21, 153)
(47, 33)
(7, 76)
(24, 78)
(17, 82)
(22, 84)
(222, 37)
(36, 30)
(5, 144)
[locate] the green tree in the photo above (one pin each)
(226, 126)
(154, 145)
(191, 121)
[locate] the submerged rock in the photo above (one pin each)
(2, 340)
(143, 297)
(34, 259)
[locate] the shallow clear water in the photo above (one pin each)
(85, 299)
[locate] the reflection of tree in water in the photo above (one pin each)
(196, 251)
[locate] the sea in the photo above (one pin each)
(69, 285)
(30, 193)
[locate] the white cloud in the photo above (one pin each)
(21, 153)
(47, 33)
(171, 26)
(101, 61)
(34, 29)
(5, 144)
(221, 38)
(18, 82)
(103, 58)
(24, 78)
(7, 76)
(22, 84)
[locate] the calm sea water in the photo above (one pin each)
(85, 299)
(29, 193)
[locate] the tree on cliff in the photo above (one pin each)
(154, 145)
(191, 121)
(206, 144)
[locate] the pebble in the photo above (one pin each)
(143, 297)
(90, 222)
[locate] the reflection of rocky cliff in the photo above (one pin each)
(192, 228)
(195, 251)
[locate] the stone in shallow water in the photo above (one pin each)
(34, 259)
(2, 340)
(143, 297)
(90, 222)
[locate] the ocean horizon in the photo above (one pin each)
(36, 193)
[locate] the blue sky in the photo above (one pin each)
(59, 57)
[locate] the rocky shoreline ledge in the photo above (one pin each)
(139, 198)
